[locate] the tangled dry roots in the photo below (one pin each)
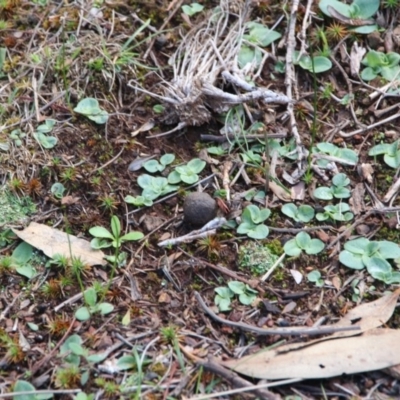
(204, 61)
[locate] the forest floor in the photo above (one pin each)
(300, 161)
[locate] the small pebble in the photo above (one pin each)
(199, 208)
(363, 229)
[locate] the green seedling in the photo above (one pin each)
(158, 108)
(84, 396)
(192, 9)
(154, 187)
(315, 277)
(348, 13)
(19, 260)
(6, 237)
(272, 144)
(133, 361)
(303, 242)
(252, 222)
(337, 190)
(258, 36)
(390, 151)
(315, 64)
(48, 142)
(72, 352)
(250, 157)
(223, 298)
(256, 195)
(344, 156)
(24, 386)
(245, 293)
(362, 253)
(304, 213)
(187, 173)
(288, 150)
(103, 238)
(392, 4)
(216, 150)
(14, 209)
(58, 190)
(17, 135)
(378, 63)
(92, 306)
(339, 212)
(139, 201)
(91, 109)
(155, 166)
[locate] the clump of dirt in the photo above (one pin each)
(199, 208)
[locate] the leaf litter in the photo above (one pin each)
(154, 302)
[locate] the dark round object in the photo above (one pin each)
(199, 208)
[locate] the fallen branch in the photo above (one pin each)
(297, 331)
(207, 230)
(235, 380)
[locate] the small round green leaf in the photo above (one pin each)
(388, 249)
(290, 210)
(341, 180)
(237, 287)
(196, 165)
(87, 106)
(323, 193)
(105, 308)
(153, 166)
(291, 248)
(144, 181)
(174, 177)
(314, 247)
(98, 243)
(82, 314)
(224, 291)
(303, 240)
(58, 190)
(247, 298)
(314, 276)
(258, 232)
(189, 178)
(167, 159)
(351, 260)
(305, 213)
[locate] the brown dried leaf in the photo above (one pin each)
(336, 282)
(164, 298)
(356, 55)
(52, 241)
(289, 307)
(280, 192)
(371, 351)
(357, 199)
(369, 315)
(366, 172)
(69, 200)
(144, 128)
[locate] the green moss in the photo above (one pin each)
(14, 209)
(275, 246)
(256, 257)
(386, 233)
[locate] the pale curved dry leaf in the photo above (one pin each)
(371, 351)
(52, 241)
